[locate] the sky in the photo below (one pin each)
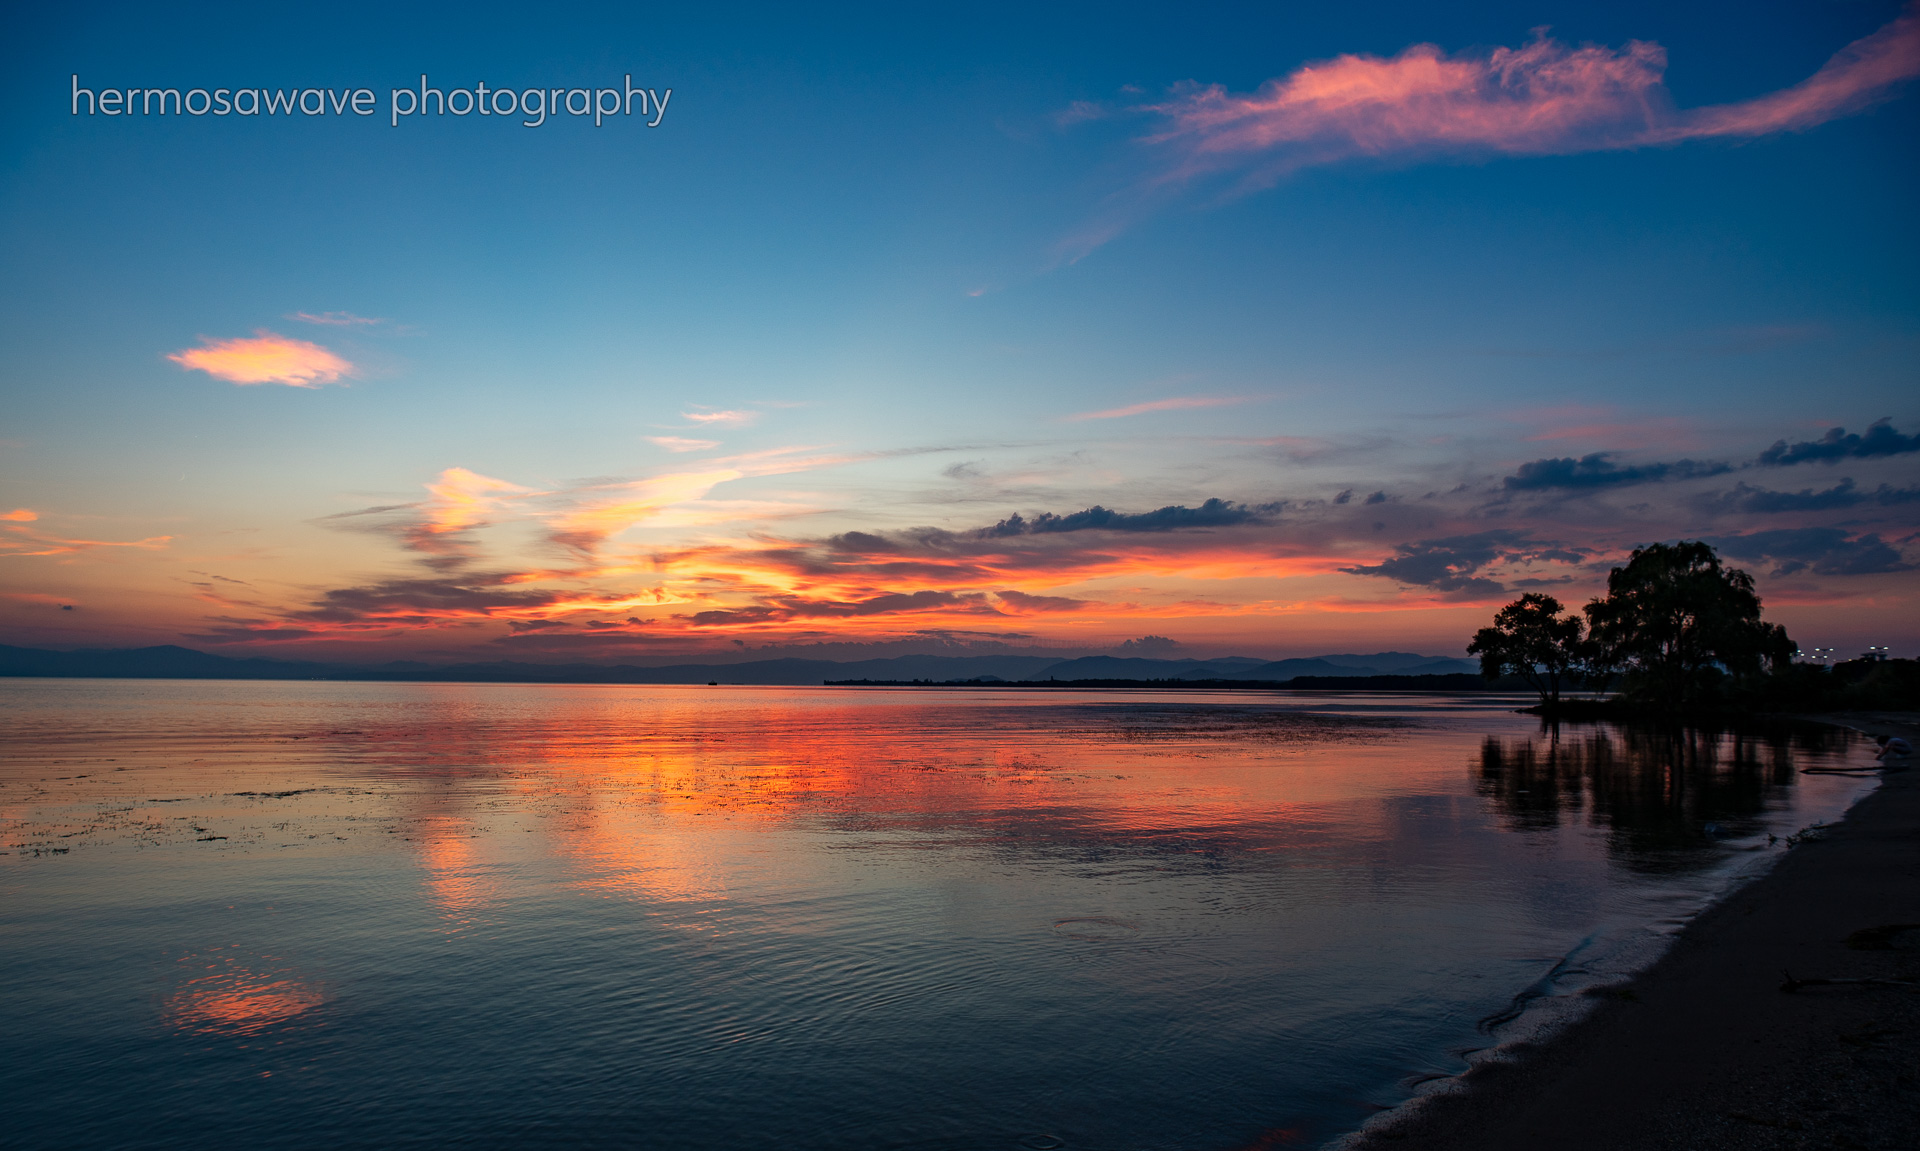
(1260, 329)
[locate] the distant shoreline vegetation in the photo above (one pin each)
(1677, 633)
(1440, 683)
(1405, 670)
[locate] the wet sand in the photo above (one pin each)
(1705, 1050)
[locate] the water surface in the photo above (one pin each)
(337, 914)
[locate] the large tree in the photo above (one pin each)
(1675, 620)
(1531, 639)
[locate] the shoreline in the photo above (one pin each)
(1703, 1049)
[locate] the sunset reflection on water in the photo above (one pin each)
(775, 916)
(224, 993)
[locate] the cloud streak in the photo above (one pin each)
(1175, 403)
(683, 444)
(265, 358)
(1599, 471)
(332, 319)
(17, 539)
(1544, 98)
(726, 418)
(1212, 513)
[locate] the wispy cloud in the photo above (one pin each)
(265, 358)
(633, 504)
(1544, 98)
(464, 499)
(334, 319)
(1167, 405)
(593, 515)
(720, 418)
(441, 527)
(17, 539)
(1858, 75)
(682, 444)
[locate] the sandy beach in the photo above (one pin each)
(1705, 1049)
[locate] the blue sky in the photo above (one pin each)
(866, 232)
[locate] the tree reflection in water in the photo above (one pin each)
(1664, 793)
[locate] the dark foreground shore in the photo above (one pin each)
(1704, 1050)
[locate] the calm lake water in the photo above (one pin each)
(314, 914)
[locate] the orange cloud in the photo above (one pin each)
(18, 540)
(854, 584)
(640, 501)
(859, 580)
(1022, 603)
(463, 499)
(646, 501)
(1173, 404)
(265, 359)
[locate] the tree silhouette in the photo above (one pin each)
(1531, 639)
(1673, 618)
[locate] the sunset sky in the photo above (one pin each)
(1273, 329)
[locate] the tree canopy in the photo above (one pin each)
(1673, 618)
(1531, 639)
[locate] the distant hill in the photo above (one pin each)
(167, 661)
(1450, 684)
(173, 662)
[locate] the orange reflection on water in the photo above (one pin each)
(658, 794)
(237, 995)
(456, 881)
(628, 853)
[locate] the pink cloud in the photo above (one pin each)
(682, 444)
(20, 516)
(1168, 405)
(1544, 98)
(336, 319)
(1858, 75)
(725, 419)
(265, 359)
